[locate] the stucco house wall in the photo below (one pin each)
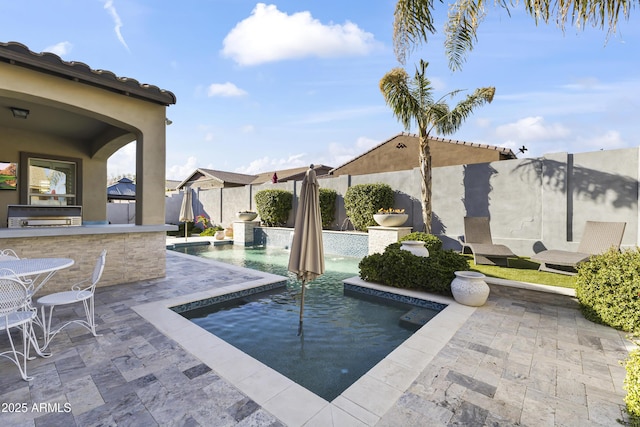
(84, 115)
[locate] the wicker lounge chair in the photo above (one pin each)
(478, 241)
(598, 237)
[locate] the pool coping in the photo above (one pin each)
(363, 403)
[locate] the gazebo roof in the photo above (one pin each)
(124, 189)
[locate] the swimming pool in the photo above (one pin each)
(346, 333)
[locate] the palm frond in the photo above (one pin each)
(398, 95)
(599, 13)
(412, 21)
(466, 15)
(461, 30)
(456, 117)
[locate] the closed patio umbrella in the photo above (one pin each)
(186, 210)
(306, 259)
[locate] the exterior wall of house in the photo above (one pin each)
(533, 203)
(136, 119)
(119, 120)
(402, 153)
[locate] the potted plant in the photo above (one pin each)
(390, 217)
(247, 215)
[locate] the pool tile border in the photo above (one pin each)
(363, 403)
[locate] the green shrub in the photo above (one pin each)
(399, 268)
(632, 386)
(608, 289)
(328, 206)
(431, 242)
(273, 206)
(211, 231)
(361, 201)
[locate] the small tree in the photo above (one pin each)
(411, 101)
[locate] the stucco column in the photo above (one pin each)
(150, 172)
(94, 203)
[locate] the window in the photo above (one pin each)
(50, 181)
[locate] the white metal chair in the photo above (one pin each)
(80, 292)
(8, 255)
(15, 312)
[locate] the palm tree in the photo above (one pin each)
(411, 101)
(413, 20)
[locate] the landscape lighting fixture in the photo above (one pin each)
(19, 113)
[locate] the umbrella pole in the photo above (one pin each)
(301, 310)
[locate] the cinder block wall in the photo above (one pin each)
(130, 257)
(533, 203)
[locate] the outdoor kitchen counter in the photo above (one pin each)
(9, 233)
(135, 252)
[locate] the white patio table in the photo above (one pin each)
(35, 272)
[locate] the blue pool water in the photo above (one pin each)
(344, 335)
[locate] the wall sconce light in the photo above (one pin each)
(167, 121)
(19, 113)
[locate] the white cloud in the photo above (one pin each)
(341, 114)
(61, 49)
(180, 172)
(267, 163)
(109, 7)
(123, 161)
(340, 154)
(532, 129)
(270, 35)
(225, 90)
(608, 141)
(248, 129)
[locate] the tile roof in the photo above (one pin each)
(46, 62)
(506, 151)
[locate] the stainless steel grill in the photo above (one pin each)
(20, 216)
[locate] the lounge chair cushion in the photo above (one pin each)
(478, 240)
(597, 238)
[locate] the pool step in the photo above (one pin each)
(416, 317)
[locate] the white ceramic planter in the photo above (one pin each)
(219, 235)
(247, 216)
(390, 220)
(469, 288)
(416, 247)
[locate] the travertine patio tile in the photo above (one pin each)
(525, 358)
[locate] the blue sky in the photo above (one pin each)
(264, 86)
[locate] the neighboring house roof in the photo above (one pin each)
(222, 177)
(236, 179)
(293, 174)
(503, 151)
(19, 54)
(124, 189)
(171, 184)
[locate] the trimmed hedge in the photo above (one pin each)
(431, 242)
(328, 198)
(274, 206)
(608, 289)
(361, 201)
(632, 386)
(402, 269)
